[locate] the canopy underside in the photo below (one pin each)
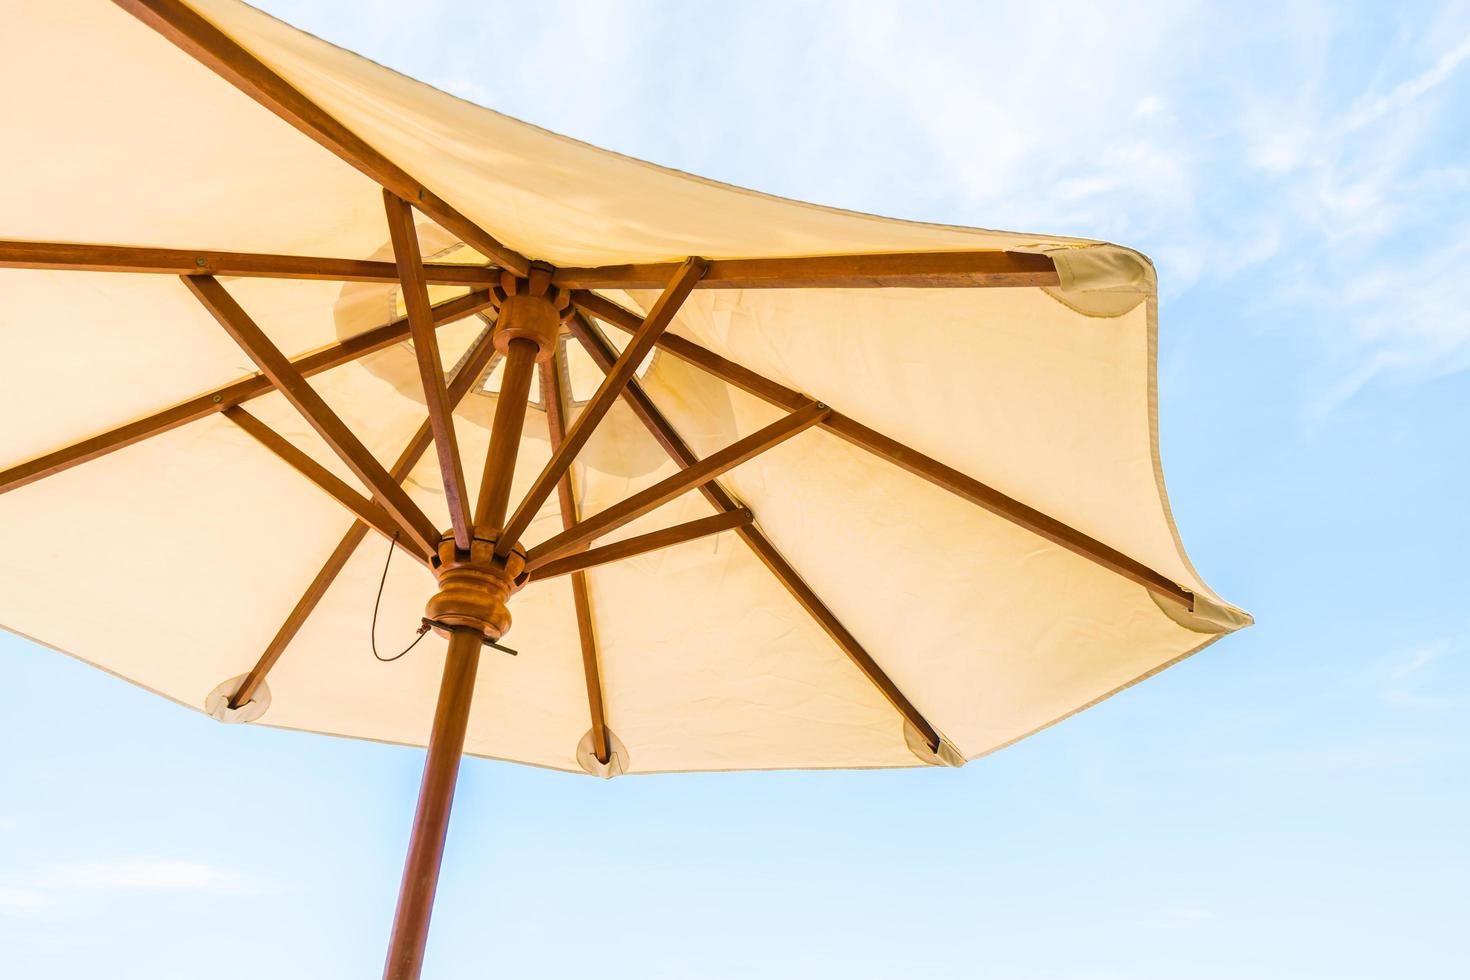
(173, 561)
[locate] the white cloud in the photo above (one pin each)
(20, 900)
(1284, 159)
(1417, 659)
(53, 889)
(1371, 109)
(1301, 158)
(148, 875)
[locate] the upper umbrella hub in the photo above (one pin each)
(530, 309)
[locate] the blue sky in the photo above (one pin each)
(1291, 803)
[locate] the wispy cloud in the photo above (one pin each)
(1307, 159)
(53, 889)
(19, 900)
(1333, 197)
(1416, 680)
(149, 875)
(1371, 109)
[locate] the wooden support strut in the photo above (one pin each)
(465, 377)
(206, 404)
(553, 396)
(664, 433)
(289, 381)
(895, 452)
(648, 331)
(630, 509)
(334, 486)
(640, 544)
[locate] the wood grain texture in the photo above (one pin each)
(465, 378)
(431, 816)
(686, 479)
(505, 433)
(328, 482)
(909, 459)
(415, 291)
(211, 47)
(668, 437)
(554, 397)
(245, 265)
(640, 544)
(680, 283)
(293, 386)
(890, 270)
(206, 404)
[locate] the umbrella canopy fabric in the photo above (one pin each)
(977, 527)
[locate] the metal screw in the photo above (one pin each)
(200, 262)
(217, 399)
(821, 405)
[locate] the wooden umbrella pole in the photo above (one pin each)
(474, 586)
(505, 433)
(526, 332)
(470, 607)
(431, 819)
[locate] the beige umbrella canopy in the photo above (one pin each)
(759, 484)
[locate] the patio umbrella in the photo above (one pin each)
(744, 483)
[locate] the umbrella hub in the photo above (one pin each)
(474, 586)
(530, 309)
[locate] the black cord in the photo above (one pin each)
(392, 545)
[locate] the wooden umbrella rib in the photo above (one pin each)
(663, 431)
(78, 257)
(909, 459)
(431, 371)
(1011, 509)
(200, 406)
(553, 396)
(464, 380)
(290, 382)
(327, 481)
(650, 327)
(221, 54)
(981, 268)
(687, 479)
(640, 544)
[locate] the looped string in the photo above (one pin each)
(423, 629)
